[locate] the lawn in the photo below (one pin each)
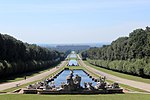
(75, 97)
(28, 75)
(24, 85)
(71, 67)
(83, 68)
(118, 74)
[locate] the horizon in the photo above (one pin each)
(72, 22)
(74, 44)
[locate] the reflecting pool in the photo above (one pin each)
(73, 63)
(62, 77)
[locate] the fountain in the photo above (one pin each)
(73, 83)
(73, 86)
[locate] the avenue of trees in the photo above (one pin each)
(126, 54)
(18, 57)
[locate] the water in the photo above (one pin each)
(73, 52)
(73, 62)
(73, 56)
(62, 77)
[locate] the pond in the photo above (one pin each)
(73, 56)
(73, 52)
(62, 77)
(73, 63)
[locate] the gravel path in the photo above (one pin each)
(135, 84)
(4, 86)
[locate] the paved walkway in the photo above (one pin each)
(4, 86)
(135, 84)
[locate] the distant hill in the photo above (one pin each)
(89, 44)
(72, 47)
(76, 48)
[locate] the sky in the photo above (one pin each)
(72, 21)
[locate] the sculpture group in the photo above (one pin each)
(73, 85)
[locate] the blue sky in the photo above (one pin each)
(72, 21)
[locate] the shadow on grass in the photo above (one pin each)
(22, 76)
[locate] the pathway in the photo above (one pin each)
(135, 84)
(5, 86)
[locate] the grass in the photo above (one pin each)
(71, 58)
(24, 85)
(118, 74)
(129, 88)
(83, 68)
(19, 87)
(109, 81)
(21, 76)
(75, 97)
(72, 67)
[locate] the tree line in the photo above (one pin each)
(18, 57)
(126, 54)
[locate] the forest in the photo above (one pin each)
(17, 57)
(129, 55)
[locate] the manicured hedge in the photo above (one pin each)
(8, 69)
(137, 67)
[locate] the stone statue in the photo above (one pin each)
(115, 85)
(69, 78)
(101, 84)
(77, 80)
(88, 86)
(72, 83)
(102, 79)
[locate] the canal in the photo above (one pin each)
(84, 77)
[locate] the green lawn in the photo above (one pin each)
(71, 58)
(72, 67)
(75, 97)
(109, 81)
(24, 85)
(127, 87)
(28, 75)
(83, 68)
(122, 75)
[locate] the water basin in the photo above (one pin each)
(73, 63)
(62, 77)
